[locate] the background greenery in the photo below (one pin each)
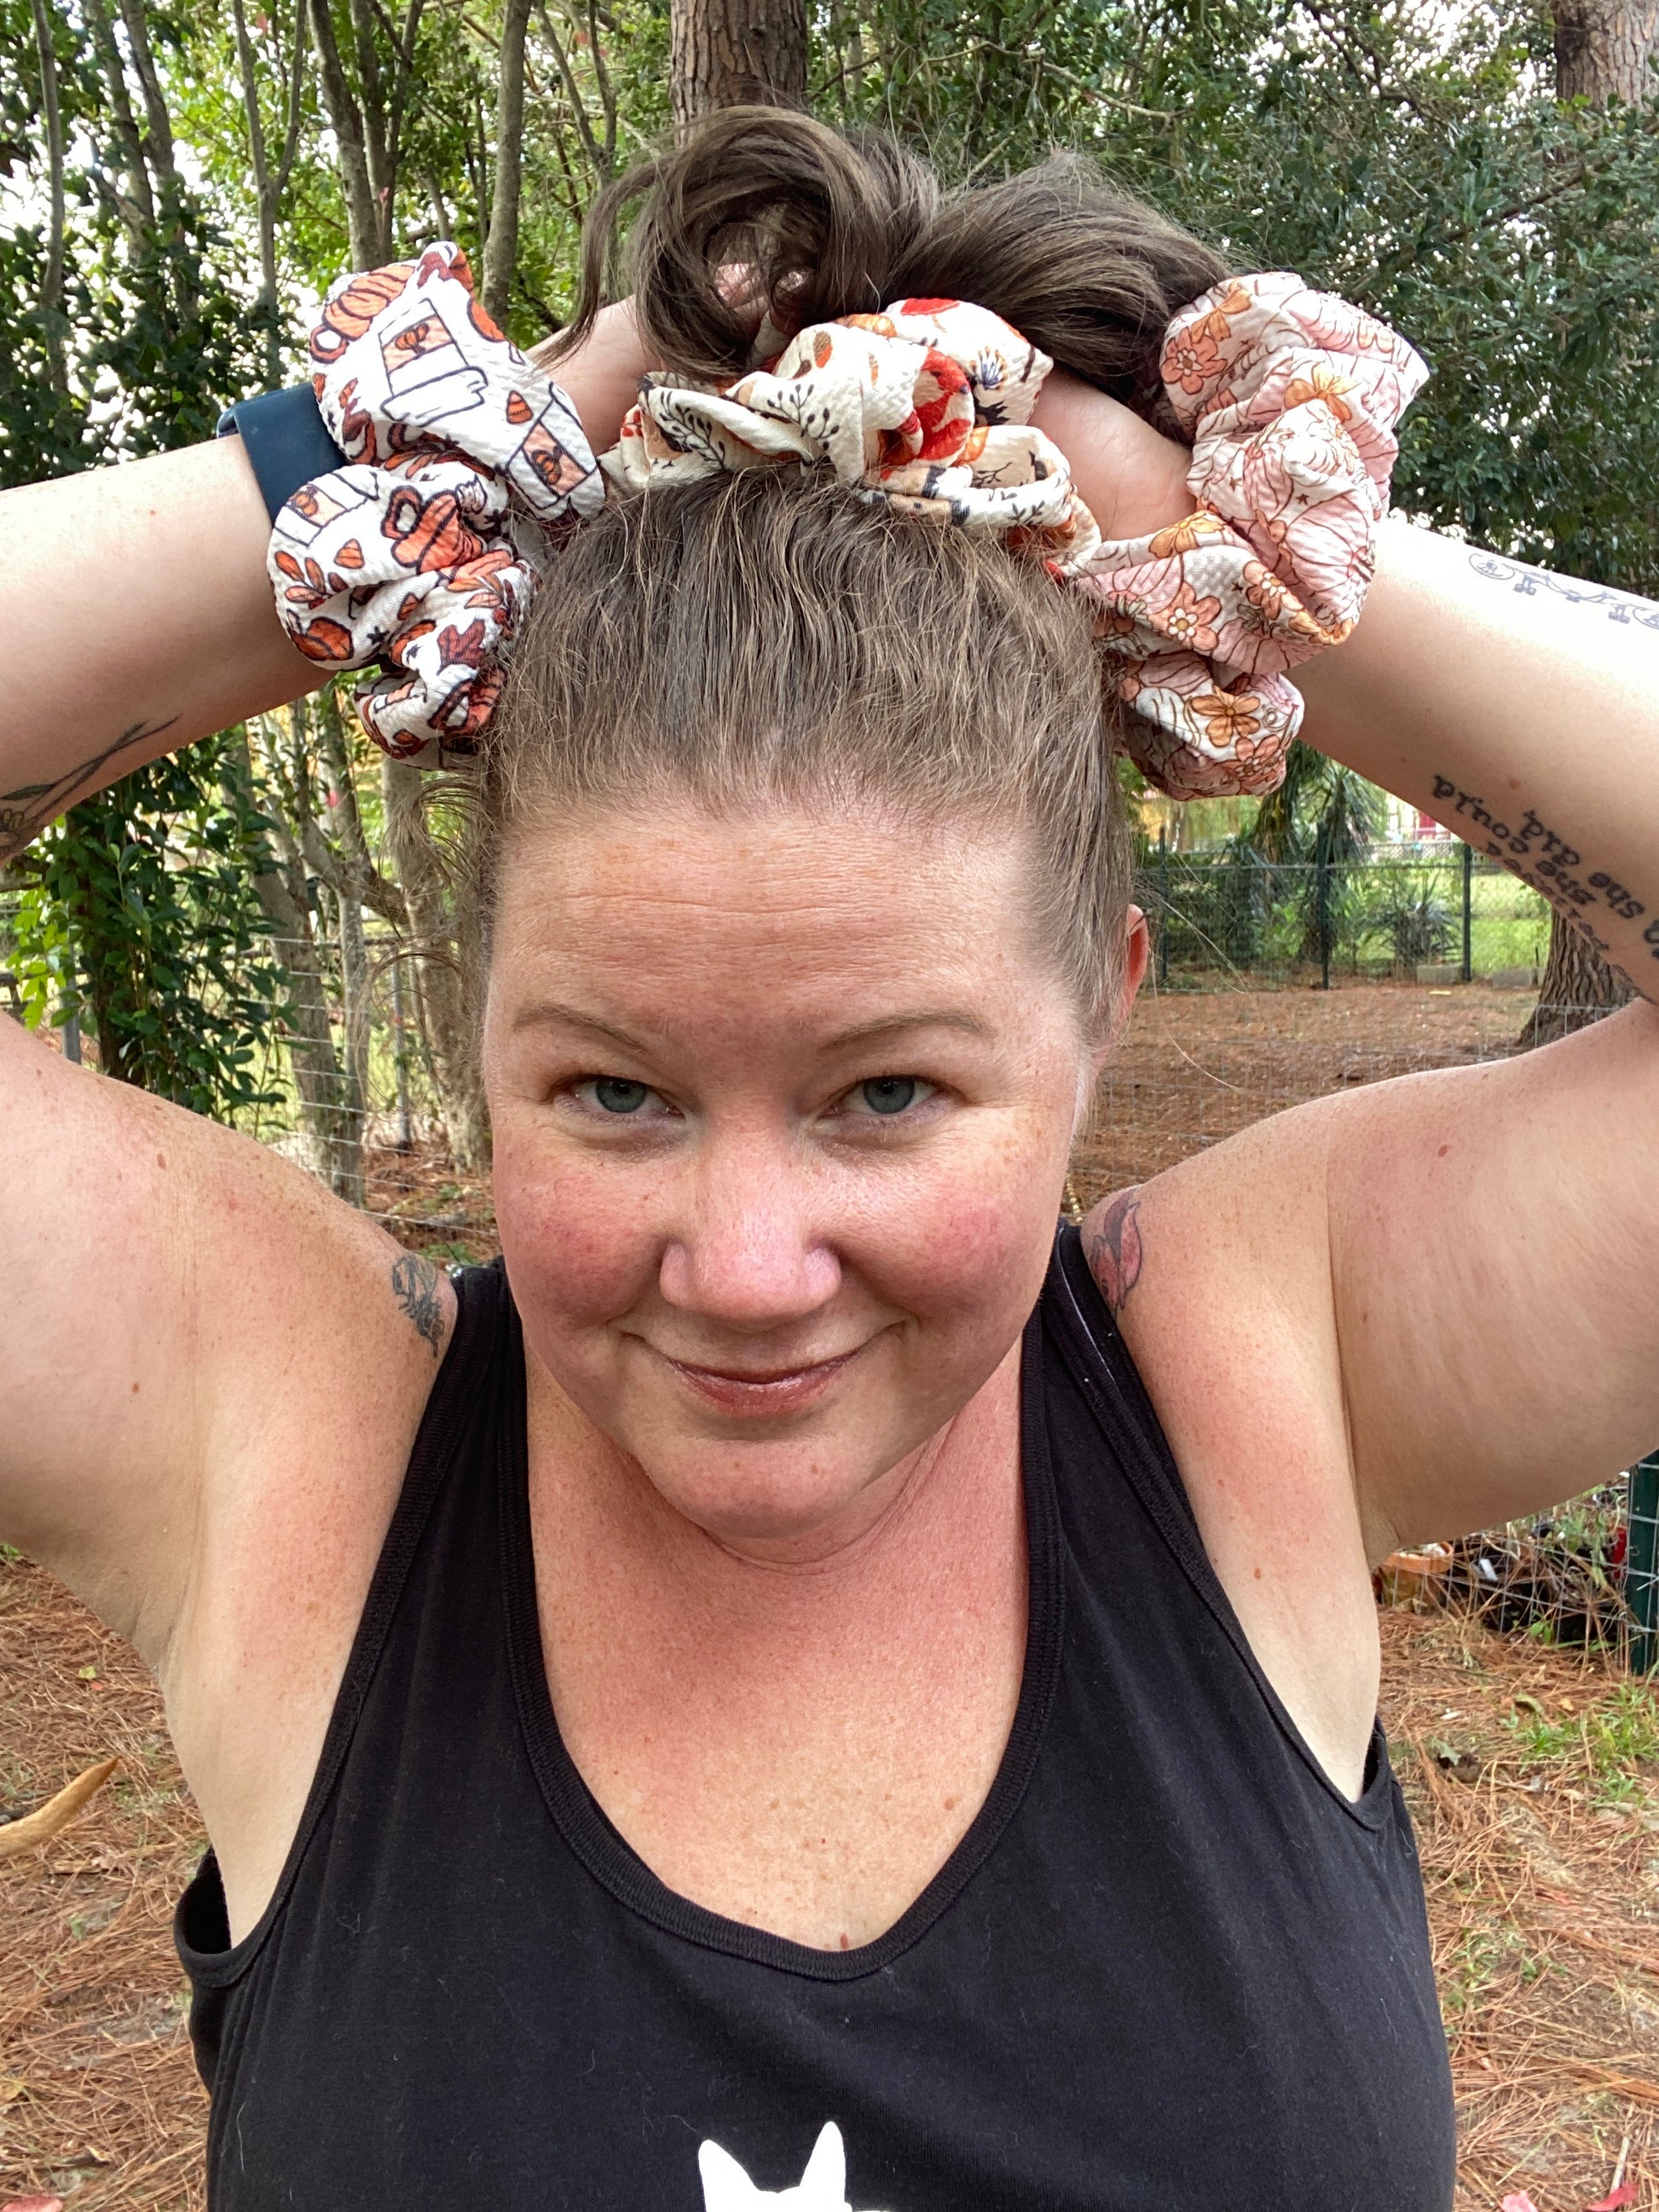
(182, 182)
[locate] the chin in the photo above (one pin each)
(762, 1493)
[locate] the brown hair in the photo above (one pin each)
(771, 634)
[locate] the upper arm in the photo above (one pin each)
(1494, 1241)
(172, 1293)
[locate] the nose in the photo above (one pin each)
(748, 1253)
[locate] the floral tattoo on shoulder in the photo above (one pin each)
(1115, 1250)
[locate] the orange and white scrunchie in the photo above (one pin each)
(927, 404)
(462, 463)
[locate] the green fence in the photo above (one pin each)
(1422, 913)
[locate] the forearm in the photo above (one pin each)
(1519, 709)
(149, 623)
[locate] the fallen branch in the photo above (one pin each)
(39, 1827)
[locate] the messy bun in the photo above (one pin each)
(836, 224)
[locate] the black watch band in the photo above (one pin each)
(287, 441)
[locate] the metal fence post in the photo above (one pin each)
(1642, 1564)
(1163, 900)
(1323, 851)
(1468, 913)
(406, 1133)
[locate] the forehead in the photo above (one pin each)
(770, 907)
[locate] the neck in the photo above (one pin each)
(954, 1490)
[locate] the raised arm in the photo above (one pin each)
(1470, 1257)
(142, 595)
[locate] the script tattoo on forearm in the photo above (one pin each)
(1540, 856)
(415, 1281)
(1114, 1250)
(1617, 606)
(25, 812)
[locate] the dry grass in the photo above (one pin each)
(99, 2098)
(1541, 1857)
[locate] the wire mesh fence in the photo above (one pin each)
(1430, 912)
(1271, 985)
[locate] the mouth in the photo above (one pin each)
(760, 1394)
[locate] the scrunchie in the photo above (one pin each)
(1292, 396)
(463, 461)
(927, 404)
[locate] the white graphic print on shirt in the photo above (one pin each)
(822, 2187)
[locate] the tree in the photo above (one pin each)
(730, 53)
(1604, 50)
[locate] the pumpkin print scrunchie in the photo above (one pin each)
(1291, 397)
(464, 463)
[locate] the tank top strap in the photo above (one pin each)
(1103, 1370)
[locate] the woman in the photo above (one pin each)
(821, 1690)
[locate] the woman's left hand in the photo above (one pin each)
(1130, 476)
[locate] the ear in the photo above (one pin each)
(726, 2186)
(1137, 959)
(824, 2181)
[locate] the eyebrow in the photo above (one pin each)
(922, 1017)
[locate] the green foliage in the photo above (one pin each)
(1615, 1739)
(153, 873)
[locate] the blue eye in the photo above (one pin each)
(889, 1094)
(616, 1096)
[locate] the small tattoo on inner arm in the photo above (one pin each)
(25, 812)
(1114, 1250)
(415, 1283)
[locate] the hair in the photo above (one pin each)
(772, 636)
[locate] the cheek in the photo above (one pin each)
(580, 1239)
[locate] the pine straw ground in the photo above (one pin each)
(1537, 1822)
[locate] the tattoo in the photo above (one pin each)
(1617, 606)
(416, 1282)
(1115, 1248)
(25, 812)
(1540, 856)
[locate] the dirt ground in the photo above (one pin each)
(1532, 1772)
(1198, 1066)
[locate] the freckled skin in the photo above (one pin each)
(750, 1219)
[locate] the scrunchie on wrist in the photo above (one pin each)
(1292, 396)
(464, 463)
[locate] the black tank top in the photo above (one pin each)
(1170, 1968)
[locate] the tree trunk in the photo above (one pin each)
(346, 121)
(331, 1131)
(1578, 987)
(728, 53)
(1602, 49)
(51, 287)
(502, 246)
(440, 993)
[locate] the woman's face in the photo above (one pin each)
(782, 1104)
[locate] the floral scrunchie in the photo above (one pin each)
(927, 404)
(1292, 396)
(463, 462)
